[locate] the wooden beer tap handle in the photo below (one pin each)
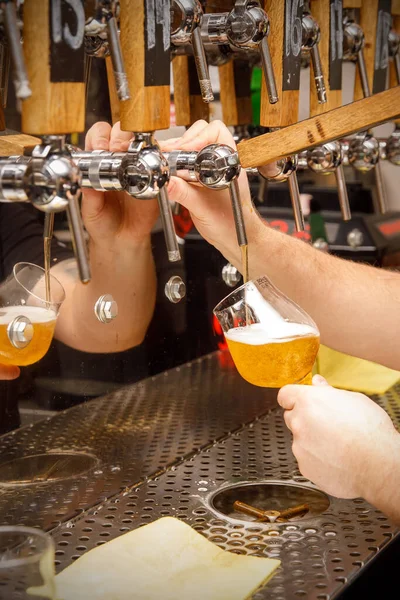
(284, 38)
(235, 92)
(335, 124)
(145, 43)
(189, 105)
(13, 145)
(375, 22)
(54, 57)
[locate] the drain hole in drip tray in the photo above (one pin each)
(42, 468)
(269, 496)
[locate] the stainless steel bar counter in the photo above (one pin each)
(188, 443)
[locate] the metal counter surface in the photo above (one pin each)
(320, 554)
(127, 436)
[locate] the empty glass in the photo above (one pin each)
(26, 564)
(28, 314)
(273, 342)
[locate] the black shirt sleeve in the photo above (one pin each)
(21, 238)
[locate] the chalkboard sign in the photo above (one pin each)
(67, 30)
(335, 44)
(292, 43)
(384, 23)
(157, 27)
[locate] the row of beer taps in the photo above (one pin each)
(53, 174)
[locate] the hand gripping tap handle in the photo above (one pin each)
(21, 81)
(217, 167)
(330, 45)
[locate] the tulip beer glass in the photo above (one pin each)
(27, 315)
(273, 342)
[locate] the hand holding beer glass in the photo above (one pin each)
(273, 342)
(27, 314)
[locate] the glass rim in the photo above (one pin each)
(29, 531)
(52, 277)
(238, 289)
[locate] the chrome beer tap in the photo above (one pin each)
(186, 18)
(310, 40)
(50, 180)
(216, 166)
(246, 27)
(142, 172)
(363, 149)
(326, 159)
(102, 40)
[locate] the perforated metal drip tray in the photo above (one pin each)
(319, 552)
(57, 468)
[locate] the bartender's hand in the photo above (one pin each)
(8, 372)
(211, 210)
(113, 217)
(343, 441)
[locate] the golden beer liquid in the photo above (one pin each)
(43, 321)
(277, 362)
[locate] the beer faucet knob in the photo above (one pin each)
(51, 179)
(20, 332)
(146, 171)
(96, 42)
(230, 275)
(175, 289)
(216, 166)
(353, 40)
(325, 158)
(363, 152)
(280, 170)
(393, 148)
(106, 309)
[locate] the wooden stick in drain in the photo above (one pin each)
(270, 515)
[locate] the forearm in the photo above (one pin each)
(128, 273)
(382, 487)
(356, 307)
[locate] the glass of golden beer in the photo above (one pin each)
(272, 341)
(27, 314)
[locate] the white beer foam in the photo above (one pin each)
(36, 314)
(257, 333)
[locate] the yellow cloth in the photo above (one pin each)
(164, 559)
(350, 373)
